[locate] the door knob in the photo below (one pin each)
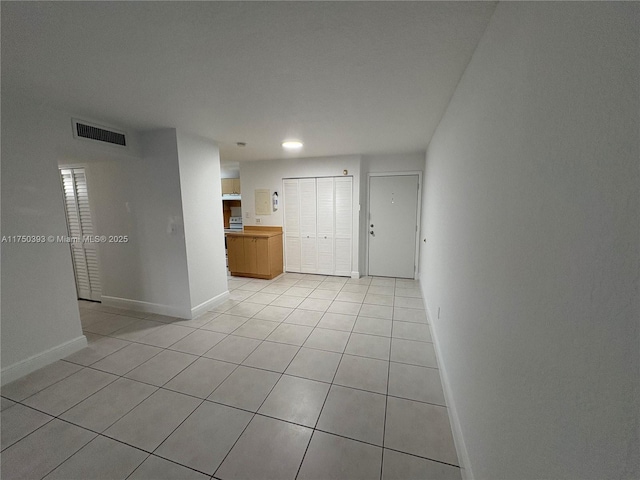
(372, 225)
(371, 232)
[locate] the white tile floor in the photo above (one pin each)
(304, 376)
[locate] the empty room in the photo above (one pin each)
(320, 240)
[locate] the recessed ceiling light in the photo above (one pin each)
(292, 144)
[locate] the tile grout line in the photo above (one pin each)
(247, 426)
(280, 322)
(314, 430)
(386, 400)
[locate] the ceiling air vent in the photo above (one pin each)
(94, 132)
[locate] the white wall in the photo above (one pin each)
(138, 192)
(160, 269)
(269, 174)
(532, 222)
(229, 169)
(200, 185)
(40, 319)
(397, 162)
(133, 191)
(389, 163)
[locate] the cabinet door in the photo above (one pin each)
(275, 255)
(235, 254)
(250, 257)
(227, 186)
(262, 255)
(235, 185)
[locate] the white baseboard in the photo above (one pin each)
(168, 310)
(209, 304)
(458, 440)
(33, 363)
(355, 274)
(139, 306)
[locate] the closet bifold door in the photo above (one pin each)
(291, 204)
(325, 225)
(80, 226)
(308, 220)
(343, 225)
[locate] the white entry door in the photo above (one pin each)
(392, 226)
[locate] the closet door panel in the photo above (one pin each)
(318, 221)
(293, 254)
(309, 254)
(325, 225)
(343, 225)
(80, 225)
(308, 223)
(325, 255)
(325, 208)
(291, 204)
(343, 257)
(343, 207)
(307, 206)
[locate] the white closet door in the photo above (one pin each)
(308, 223)
(291, 203)
(325, 225)
(343, 225)
(80, 226)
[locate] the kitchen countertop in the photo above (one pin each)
(251, 233)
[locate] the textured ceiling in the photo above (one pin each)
(344, 77)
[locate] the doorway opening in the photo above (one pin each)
(83, 242)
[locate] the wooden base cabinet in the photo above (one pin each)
(255, 253)
(235, 253)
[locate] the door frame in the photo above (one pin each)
(365, 231)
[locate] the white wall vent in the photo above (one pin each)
(88, 131)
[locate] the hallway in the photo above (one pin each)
(304, 376)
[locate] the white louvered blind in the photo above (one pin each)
(79, 224)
